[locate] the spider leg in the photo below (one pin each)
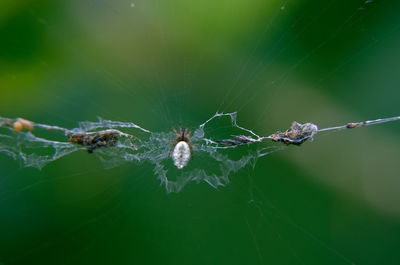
(189, 134)
(176, 133)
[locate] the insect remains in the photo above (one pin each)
(181, 148)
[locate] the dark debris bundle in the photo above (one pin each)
(92, 141)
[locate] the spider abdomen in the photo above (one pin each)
(181, 154)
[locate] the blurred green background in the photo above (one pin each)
(169, 62)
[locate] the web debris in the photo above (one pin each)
(106, 139)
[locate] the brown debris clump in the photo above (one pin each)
(105, 138)
(297, 134)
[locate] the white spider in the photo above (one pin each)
(181, 148)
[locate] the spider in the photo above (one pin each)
(181, 148)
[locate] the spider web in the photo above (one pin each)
(153, 147)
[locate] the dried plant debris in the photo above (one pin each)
(94, 140)
(296, 135)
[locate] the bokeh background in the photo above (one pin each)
(163, 63)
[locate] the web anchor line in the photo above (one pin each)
(298, 133)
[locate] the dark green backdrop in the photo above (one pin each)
(164, 63)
